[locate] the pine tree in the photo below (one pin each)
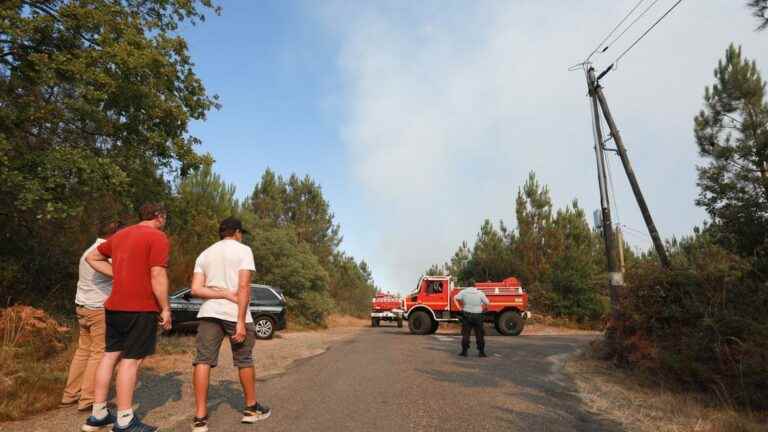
(489, 256)
(760, 11)
(534, 221)
(459, 265)
(732, 135)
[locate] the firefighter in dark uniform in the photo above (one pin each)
(473, 305)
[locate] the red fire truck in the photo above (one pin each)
(386, 307)
(432, 303)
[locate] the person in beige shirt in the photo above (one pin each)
(93, 289)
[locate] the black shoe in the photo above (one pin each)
(134, 426)
(463, 353)
(482, 354)
(255, 412)
(92, 424)
(200, 424)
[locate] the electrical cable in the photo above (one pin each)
(632, 24)
(636, 232)
(608, 36)
(647, 31)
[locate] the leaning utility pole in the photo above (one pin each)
(595, 88)
(615, 275)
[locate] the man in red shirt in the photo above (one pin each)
(139, 299)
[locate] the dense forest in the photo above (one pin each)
(95, 103)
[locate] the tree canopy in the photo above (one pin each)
(732, 135)
(96, 98)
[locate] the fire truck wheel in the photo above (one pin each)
(420, 323)
(435, 325)
(374, 322)
(510, 323)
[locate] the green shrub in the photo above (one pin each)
(702, 324)
(311, 308)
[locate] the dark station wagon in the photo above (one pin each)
(267, 310)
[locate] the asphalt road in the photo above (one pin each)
(385, 379)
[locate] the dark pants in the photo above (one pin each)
(469, 322)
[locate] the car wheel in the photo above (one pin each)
(265, 327)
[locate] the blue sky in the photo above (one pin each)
(421, 119)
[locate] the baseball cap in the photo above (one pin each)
(232, 224)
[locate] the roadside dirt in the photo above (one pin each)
(641, 406)
(529, 330)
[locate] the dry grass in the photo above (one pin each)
(333, 321)
(34, 357)
(550, 321)
(343, 321)
(641, 405)
(175, 344)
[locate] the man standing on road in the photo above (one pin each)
(473, 304)
(93, 288)
(140, 291)
(222, 277)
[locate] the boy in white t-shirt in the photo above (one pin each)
(222, 277)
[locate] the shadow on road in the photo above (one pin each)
(534, 366)
(155, 390)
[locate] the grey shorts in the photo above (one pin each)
(210, 333)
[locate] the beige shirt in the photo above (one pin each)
(93, 287)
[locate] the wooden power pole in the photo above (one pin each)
(615, 274)
(622, 151)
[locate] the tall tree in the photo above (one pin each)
(268, 199)
(760, 11)
(490, 261)
(298, 203)
(200, 201)
(459, 265)
(575, 263)
(732, 135)
(95, 100)
(534, 222)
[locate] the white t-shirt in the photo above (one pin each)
(93, 287)
(221, 264)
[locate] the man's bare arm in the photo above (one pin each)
(243, 298)
(99, 262)
(160, 290)
(199, 290)
(243, 294)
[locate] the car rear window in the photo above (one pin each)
(263, 294)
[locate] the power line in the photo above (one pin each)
(632, 24)
(608, 36)
(647, 31)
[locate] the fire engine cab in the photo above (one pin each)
(386, 307)
(432, 303)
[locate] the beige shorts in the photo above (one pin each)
(210, 334)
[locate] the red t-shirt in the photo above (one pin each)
(134, 251)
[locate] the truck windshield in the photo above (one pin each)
(416, 290)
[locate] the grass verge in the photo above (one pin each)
(641, 404)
